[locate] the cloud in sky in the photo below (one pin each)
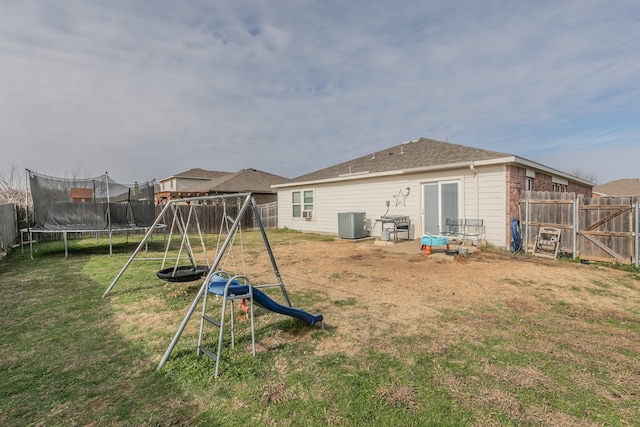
(148, 89)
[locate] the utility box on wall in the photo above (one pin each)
(351, 225)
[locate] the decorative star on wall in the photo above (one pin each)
(401, 197)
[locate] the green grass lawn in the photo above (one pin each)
(70, 357)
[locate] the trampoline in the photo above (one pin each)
(87, 205)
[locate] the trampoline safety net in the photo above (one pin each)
(90, 203)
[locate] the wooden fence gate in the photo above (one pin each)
(268, 214)
(597, 228)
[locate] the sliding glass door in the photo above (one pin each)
(440, 200)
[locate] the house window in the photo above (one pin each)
(528, 184)
(559, 188)
(301, 201)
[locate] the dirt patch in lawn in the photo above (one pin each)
(364, 289)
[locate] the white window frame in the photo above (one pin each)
(303, 204)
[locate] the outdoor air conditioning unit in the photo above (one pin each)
(307, 214)
(351, 225)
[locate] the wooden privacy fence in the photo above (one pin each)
(209, 217)
(597, 228)
(269, 215)
(8, 227)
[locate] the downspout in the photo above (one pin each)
(475, 176)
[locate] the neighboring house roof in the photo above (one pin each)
(197, 173)
(619, 188)
(245, 180)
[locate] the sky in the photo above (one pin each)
(147, 89)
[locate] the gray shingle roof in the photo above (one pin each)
(415, 154)
(201, 174)
(245, 180)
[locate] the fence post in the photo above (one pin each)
(526, 225)
(575, 228)
(636, 238)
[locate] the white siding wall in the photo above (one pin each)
(182, 183)
(369, 196)
(492, 203)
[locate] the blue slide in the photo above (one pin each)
(235, 288)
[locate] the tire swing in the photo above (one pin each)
(184, 273)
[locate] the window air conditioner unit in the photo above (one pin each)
(307, 214)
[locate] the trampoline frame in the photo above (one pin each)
(30, 232)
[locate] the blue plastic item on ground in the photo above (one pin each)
(429, 240)
(516, 236)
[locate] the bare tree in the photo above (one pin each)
(592, 178)
(79, 172)
(13, 187)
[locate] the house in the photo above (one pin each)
(425, 180)
(170, 187)
(619, 188)
(253, 181)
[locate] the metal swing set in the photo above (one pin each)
(225, 285)
(195, 271)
